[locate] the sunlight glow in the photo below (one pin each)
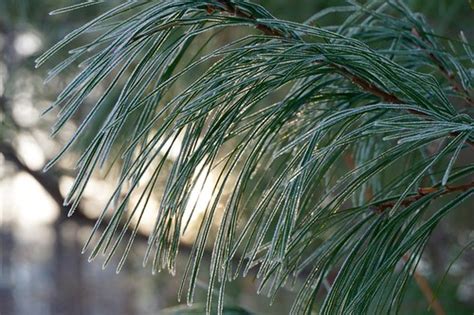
(30, 151)
(27, 205)
(197, 205)
(27, 44)
(95, 195)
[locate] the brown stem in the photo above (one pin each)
(230, 8)
(423, 191)
(450, 77)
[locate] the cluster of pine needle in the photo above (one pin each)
(334, 149)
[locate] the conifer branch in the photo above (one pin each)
(230, 8)
(335, 95)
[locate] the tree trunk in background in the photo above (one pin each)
(7, 244)
(67, 270)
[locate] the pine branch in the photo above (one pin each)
(230, 8)
(343, 95)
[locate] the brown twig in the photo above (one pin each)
(450, 77)
(423, 191)
(230, 8)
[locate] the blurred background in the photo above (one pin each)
(42, 270)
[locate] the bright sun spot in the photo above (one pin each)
(197, 204)
(31, 153)
(27, 205)
(27, 44)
